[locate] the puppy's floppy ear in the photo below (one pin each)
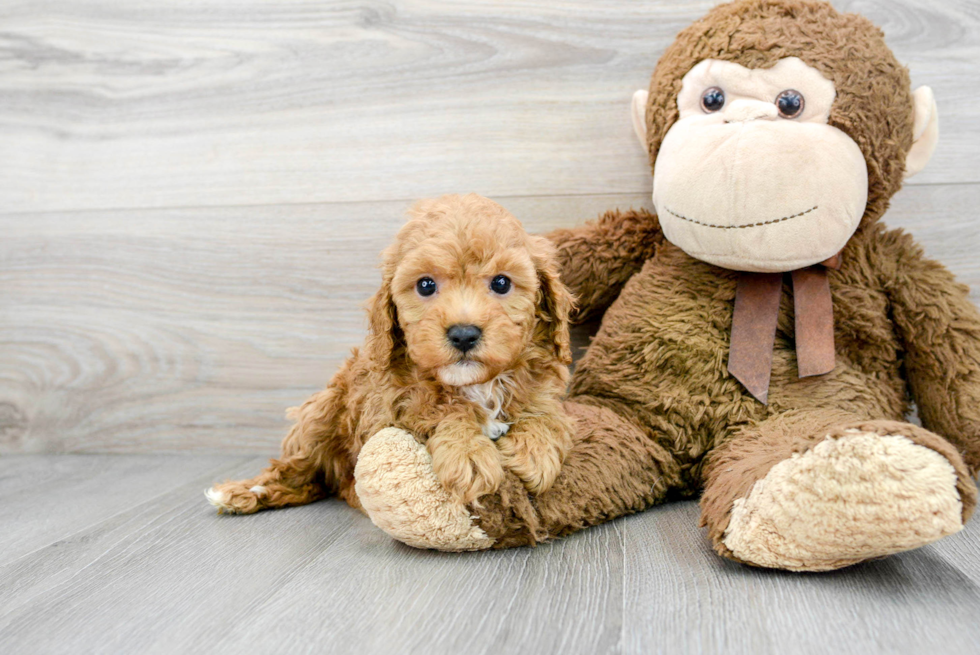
(554, 302)
(386, 337)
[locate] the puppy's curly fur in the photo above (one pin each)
(409, 375)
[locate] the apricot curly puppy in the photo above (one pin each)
(468, 350)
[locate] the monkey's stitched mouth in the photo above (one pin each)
(732, 227)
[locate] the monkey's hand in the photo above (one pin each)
(598, 258)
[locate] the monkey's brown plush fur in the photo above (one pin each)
(658, 414)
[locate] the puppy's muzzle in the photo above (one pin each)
(464, 337)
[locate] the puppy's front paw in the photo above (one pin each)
(236, 497)
(468, 468)
(536, 460)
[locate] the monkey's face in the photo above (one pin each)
(751, 176)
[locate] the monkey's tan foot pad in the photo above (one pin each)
(844, 501)
(400, 492)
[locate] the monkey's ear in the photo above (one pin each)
(925, 131)
(639, 113)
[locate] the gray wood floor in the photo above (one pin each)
(118, 554)
(192, 199)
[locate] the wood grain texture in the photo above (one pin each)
(171, 103)
(169, 575)
(193, 195)
(680, 597)
(49, 499)
(176, 267)
(165, 574)
(194, 329)
(169, 330)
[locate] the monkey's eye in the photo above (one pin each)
(500, 284)
(790, 103)
(426, 286)
(712, 100)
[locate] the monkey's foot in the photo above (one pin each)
(844, 501)
(400, 492)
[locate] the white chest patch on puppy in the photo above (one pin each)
(495, 429)
(491, 396)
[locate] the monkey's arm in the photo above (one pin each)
(940, 329)
(597, 258)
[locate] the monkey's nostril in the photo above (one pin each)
(464, 337)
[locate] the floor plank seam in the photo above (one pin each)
(102, 521)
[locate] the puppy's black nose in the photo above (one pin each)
(463, 337)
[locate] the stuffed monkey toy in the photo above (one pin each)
(763, 334)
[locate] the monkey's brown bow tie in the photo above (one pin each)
(754, 325)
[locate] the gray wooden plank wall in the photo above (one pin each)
(193, 194)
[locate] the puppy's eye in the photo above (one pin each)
(712, 100)
(790, 103)
(500, 284)
(426, 286)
